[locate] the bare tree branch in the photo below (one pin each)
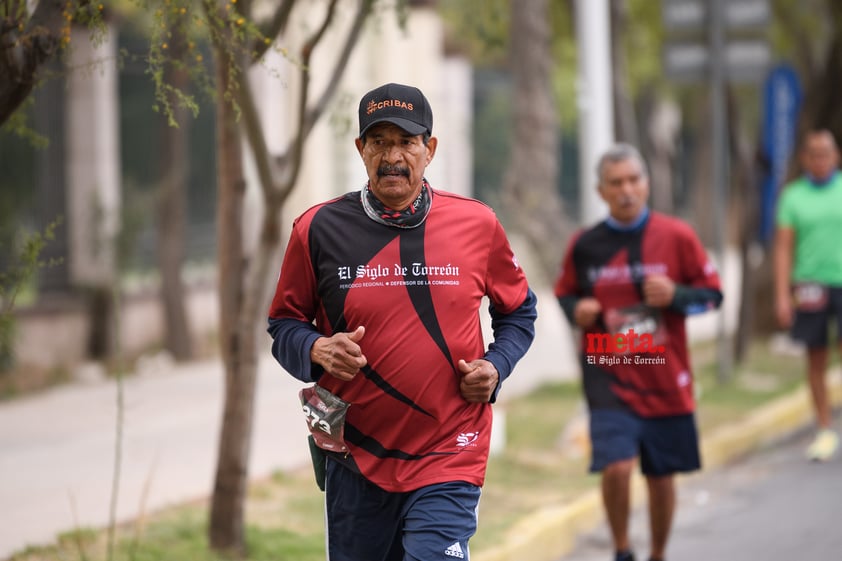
(315, 112)
(308, 117)
(254, 134)
(275, 28)
(293, 157)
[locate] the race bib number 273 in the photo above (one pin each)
(325, 413)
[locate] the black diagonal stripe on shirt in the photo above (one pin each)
(376, 448)
(332, 226)
(389, 389)
(412, 251)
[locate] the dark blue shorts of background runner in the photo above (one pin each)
(364, 522)
(812, 328)
(666, 445)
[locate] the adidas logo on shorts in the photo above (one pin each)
(455, 550)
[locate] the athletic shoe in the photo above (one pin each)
(823, 446)
(624, 556)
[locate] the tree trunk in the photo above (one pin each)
(530, 188)
(25, 46)
(625, 120)
(745, 204)
(702, 182)
(227, 532)
(172, 209)
(821, 107)
(245, 282)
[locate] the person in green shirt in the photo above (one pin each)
(808, 270)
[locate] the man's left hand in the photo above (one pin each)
(658, 291)
(479, 379)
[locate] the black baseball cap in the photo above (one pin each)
(404, 106)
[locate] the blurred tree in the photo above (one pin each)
(32, 34)
(539, 57)
(243, 277)
(530, 195)
(810, 35)
(625, 123)
(172, 195)
(27, 41)
(241, 33)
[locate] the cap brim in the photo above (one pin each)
(405, 124)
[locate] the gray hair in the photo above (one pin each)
(619, 152)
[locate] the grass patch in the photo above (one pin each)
(761, 378)
(540, 465)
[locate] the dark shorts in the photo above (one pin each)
(812, 328)
(364, 522)
(665, 445)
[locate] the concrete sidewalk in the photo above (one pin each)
(57, 448)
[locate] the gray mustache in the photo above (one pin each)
(392, 170)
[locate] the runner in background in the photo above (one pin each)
(808, 271)
(628, 283)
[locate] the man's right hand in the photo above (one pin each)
(586, 312)
(340, 354)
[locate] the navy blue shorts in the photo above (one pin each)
(811, 327)
(665, 445)
(364, 522)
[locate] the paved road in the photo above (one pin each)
(773, 506)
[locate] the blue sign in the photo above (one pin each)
(781, 104)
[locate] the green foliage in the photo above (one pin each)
(173, 45)
(19, 126)
(177, 29)
(492, 102)
(80, 540)
(801, 31)
(643, 39)
(24, 260)
(479, 28)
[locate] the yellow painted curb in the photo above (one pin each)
(551, 532)
(548, 533)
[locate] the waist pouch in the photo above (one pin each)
(325, 415)
(810, 296)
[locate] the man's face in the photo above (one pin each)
(625, 188)
(395, 162)
(820, 156)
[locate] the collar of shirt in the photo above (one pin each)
(615, 224)
(819, 183)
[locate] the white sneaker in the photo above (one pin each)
(824, 446)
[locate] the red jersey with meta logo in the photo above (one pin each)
(418, 293)
(636, 357)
